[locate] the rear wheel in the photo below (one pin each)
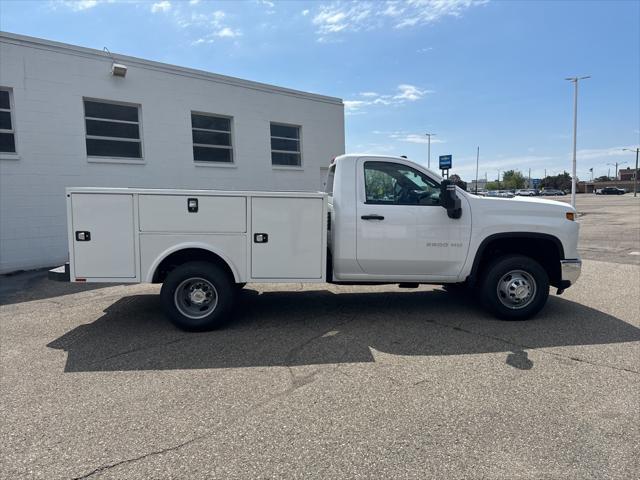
(198, 296)
(515, 287)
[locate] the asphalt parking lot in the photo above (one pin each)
(322, 381)
(610, 227)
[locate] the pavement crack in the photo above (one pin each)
(134, 350)
(249, 410)
(103, 468)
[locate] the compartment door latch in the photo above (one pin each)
(260, 237)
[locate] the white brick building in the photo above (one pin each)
(66, 120)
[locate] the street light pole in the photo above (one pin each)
(575, 81)
(635, 174)
(477, 164)
(429, 135)
(616, 165)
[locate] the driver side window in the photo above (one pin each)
(388, 183)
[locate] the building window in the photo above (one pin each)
(211, 138)
(7, 132)
(113, 129)
(285, 145)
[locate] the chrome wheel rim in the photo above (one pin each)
(516, 289)
(195, 298)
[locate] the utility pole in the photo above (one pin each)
(477, 164)
(635, 174)
(575, 81)
(429, 135)
(618, 163)
(529, 182)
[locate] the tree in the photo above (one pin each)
(493, 186)
(602, 178)
(513, 179)
(559, 182)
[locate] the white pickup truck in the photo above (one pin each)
(381, 220)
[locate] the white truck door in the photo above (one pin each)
(103, 237)
(402, 229)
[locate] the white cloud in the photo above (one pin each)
(86, 4)
(411, 93)
(603, 153)
(352, 107)
(405, 93)
(305, 12)
(78, 5)
(209, 27)
(194, 2)
(341, 16)
(163, 6)
(414, 138)
(227, 32)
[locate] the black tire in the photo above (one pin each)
(506, 280)
(188, 295)
(240, 286)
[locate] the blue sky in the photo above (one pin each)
(477, 73)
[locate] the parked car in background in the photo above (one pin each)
(527, 192)
(500, 193)
(611, 191)
(552, 192)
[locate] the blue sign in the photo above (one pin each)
(445, 162)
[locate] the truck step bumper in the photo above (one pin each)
(60, 274)
(570, 271)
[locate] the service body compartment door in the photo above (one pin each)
(103, 235)
(211, 214)
(286, 238)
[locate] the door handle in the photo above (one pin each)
(372, 217)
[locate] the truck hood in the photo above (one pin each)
(522, 204)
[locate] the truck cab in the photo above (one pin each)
(392, 222)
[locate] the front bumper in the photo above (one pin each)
(570, 271)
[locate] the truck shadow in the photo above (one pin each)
(321, 327)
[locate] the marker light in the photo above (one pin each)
(571, 216)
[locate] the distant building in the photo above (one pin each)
(76, 117)
(482, 184)
(626, 174)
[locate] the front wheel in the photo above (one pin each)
(515, 287)
(198, 296)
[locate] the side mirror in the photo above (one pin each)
(449, 199)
